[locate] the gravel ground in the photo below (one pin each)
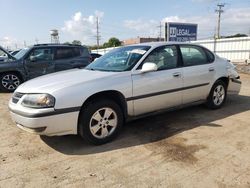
(243, 68)
(192, 147)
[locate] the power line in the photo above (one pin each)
(219, 10)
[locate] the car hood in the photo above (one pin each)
(7, 63)
(56, 81)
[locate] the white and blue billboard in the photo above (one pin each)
(180, 32)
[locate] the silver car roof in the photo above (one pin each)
(158, 44)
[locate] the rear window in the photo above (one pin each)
(84, 51)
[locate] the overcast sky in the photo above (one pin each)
(28, 20)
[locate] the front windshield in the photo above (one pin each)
(21, 53)
(120, 59)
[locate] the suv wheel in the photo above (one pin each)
(100, 121)
(9, 82)
(217, 96)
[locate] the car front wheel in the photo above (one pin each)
(217, 96)
(100, 121)
(9, 82)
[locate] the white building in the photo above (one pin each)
(234, 49)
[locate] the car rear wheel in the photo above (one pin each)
(9, 82)
(217, 96)
(100, 121)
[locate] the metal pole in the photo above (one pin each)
(97, 33)
(215, 44)
(160, 32)
(219, 11)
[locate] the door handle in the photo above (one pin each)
(211, 69)
(176, 74)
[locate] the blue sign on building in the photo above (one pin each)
(180, 32)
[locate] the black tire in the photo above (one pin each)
(86, 120)
(211, 100)
(9, 82)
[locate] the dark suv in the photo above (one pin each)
(39, 60)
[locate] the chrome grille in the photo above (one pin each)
(16, 97)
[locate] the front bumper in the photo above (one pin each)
(234, 86)
(44, 122)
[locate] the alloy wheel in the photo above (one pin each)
(10, 81)
(218, 95)
(103, 123)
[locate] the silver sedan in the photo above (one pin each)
(124, 84)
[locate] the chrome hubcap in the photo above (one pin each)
(219, 95)
(103, 122)
(10, 82)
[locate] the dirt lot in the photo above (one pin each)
(193, 147)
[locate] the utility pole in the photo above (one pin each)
(160, 31)
(215, 40)
(97, 33)
(219, 10)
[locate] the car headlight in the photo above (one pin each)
(38, 101)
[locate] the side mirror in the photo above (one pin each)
(148, 67)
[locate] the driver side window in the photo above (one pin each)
(41, 54)
(164, 57)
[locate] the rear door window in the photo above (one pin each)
(210, 56)
(193, 55)
(65, 53)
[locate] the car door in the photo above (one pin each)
(161, 89)
(69, 58)
(39, 62)
(198, 73)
